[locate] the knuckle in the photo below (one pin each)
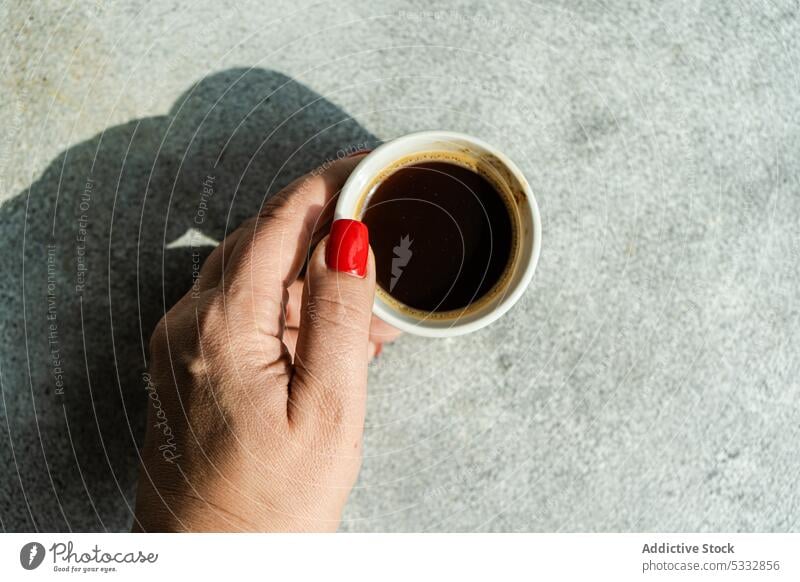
(334, 309)
(282, 206)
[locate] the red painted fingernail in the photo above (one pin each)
(348, 247)
(378, 350)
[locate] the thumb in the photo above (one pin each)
(329, 384)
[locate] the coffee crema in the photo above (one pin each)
(443, 234)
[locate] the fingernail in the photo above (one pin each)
(378, 350)
(348, 247)
(357, 153)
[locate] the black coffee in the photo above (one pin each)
(441, 235)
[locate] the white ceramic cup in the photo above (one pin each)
(383, 160)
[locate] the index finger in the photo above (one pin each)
(268, 257)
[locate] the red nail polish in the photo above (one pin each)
(378, 350)
(348, 247)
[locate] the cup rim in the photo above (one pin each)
(350, 197)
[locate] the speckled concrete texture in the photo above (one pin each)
(646, 381)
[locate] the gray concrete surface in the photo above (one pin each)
(647, 380)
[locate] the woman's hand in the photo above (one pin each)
(257, 394)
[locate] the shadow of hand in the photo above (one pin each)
(98, 249)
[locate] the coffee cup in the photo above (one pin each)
(454, 227)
